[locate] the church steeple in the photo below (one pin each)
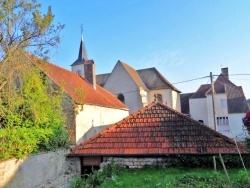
(82, 56)
(82, 51)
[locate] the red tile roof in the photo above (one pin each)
(77, 87)
(156, 130)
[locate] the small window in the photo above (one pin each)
(222, 121)
(201, 121)
(121, 98)
(223, 103)
(158, 97)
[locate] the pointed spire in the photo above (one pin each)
(82, 55)
(82, 51)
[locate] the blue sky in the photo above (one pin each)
(182, 39)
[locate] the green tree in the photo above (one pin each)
(30, 105)
(23, 27)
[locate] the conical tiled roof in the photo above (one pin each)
(156, 130)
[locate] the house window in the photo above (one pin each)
(158, 97)
(222, 121)
(121, 98)
(223, 103)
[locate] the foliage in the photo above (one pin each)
(194, 181)
(177, 177)
(111, 169)
(19, 141)
(198, 161)
(59, 138)
(246, 122)
(30, 106)
(77, 182)
(31, 114)
(24, 28)
(96, 178)
(242, 180)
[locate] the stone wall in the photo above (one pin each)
(136, 162)
(48, 169)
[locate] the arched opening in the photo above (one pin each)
(158, 97)
(121, 97)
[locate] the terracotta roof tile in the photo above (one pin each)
(76, 86)
(144, 133)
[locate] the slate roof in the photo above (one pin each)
(148, 79)
(154, 80)
(77, 87)
(185, 102)
(156, 130)
(82, 55)
(201, 92)
(236, 100)
(102, 78)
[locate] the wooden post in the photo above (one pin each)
(213, 101)
(215, 168)
(225, 170)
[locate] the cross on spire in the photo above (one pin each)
(82, 56)
(82, 31)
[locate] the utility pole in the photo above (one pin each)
(213, 102)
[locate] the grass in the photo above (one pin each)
(159, 177)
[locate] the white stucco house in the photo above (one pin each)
(88, 107)
(230, 105)
(138, 88)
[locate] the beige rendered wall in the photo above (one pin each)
(39, 170)
(219, 110)
(198, 109)
(120, 82)
(169, 97)
(96, 116)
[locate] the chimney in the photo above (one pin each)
(224, 71)
(89, 72)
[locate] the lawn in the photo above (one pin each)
(160, 177)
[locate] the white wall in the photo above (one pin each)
(176, 101)
(96, 116)
(235, 123)
(120, 81)
(198, 109)
(75, 68)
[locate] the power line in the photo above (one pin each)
(191, 80)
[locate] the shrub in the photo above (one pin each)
(194, 181)
(111, 169)
(77, 182)
(194, 161)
